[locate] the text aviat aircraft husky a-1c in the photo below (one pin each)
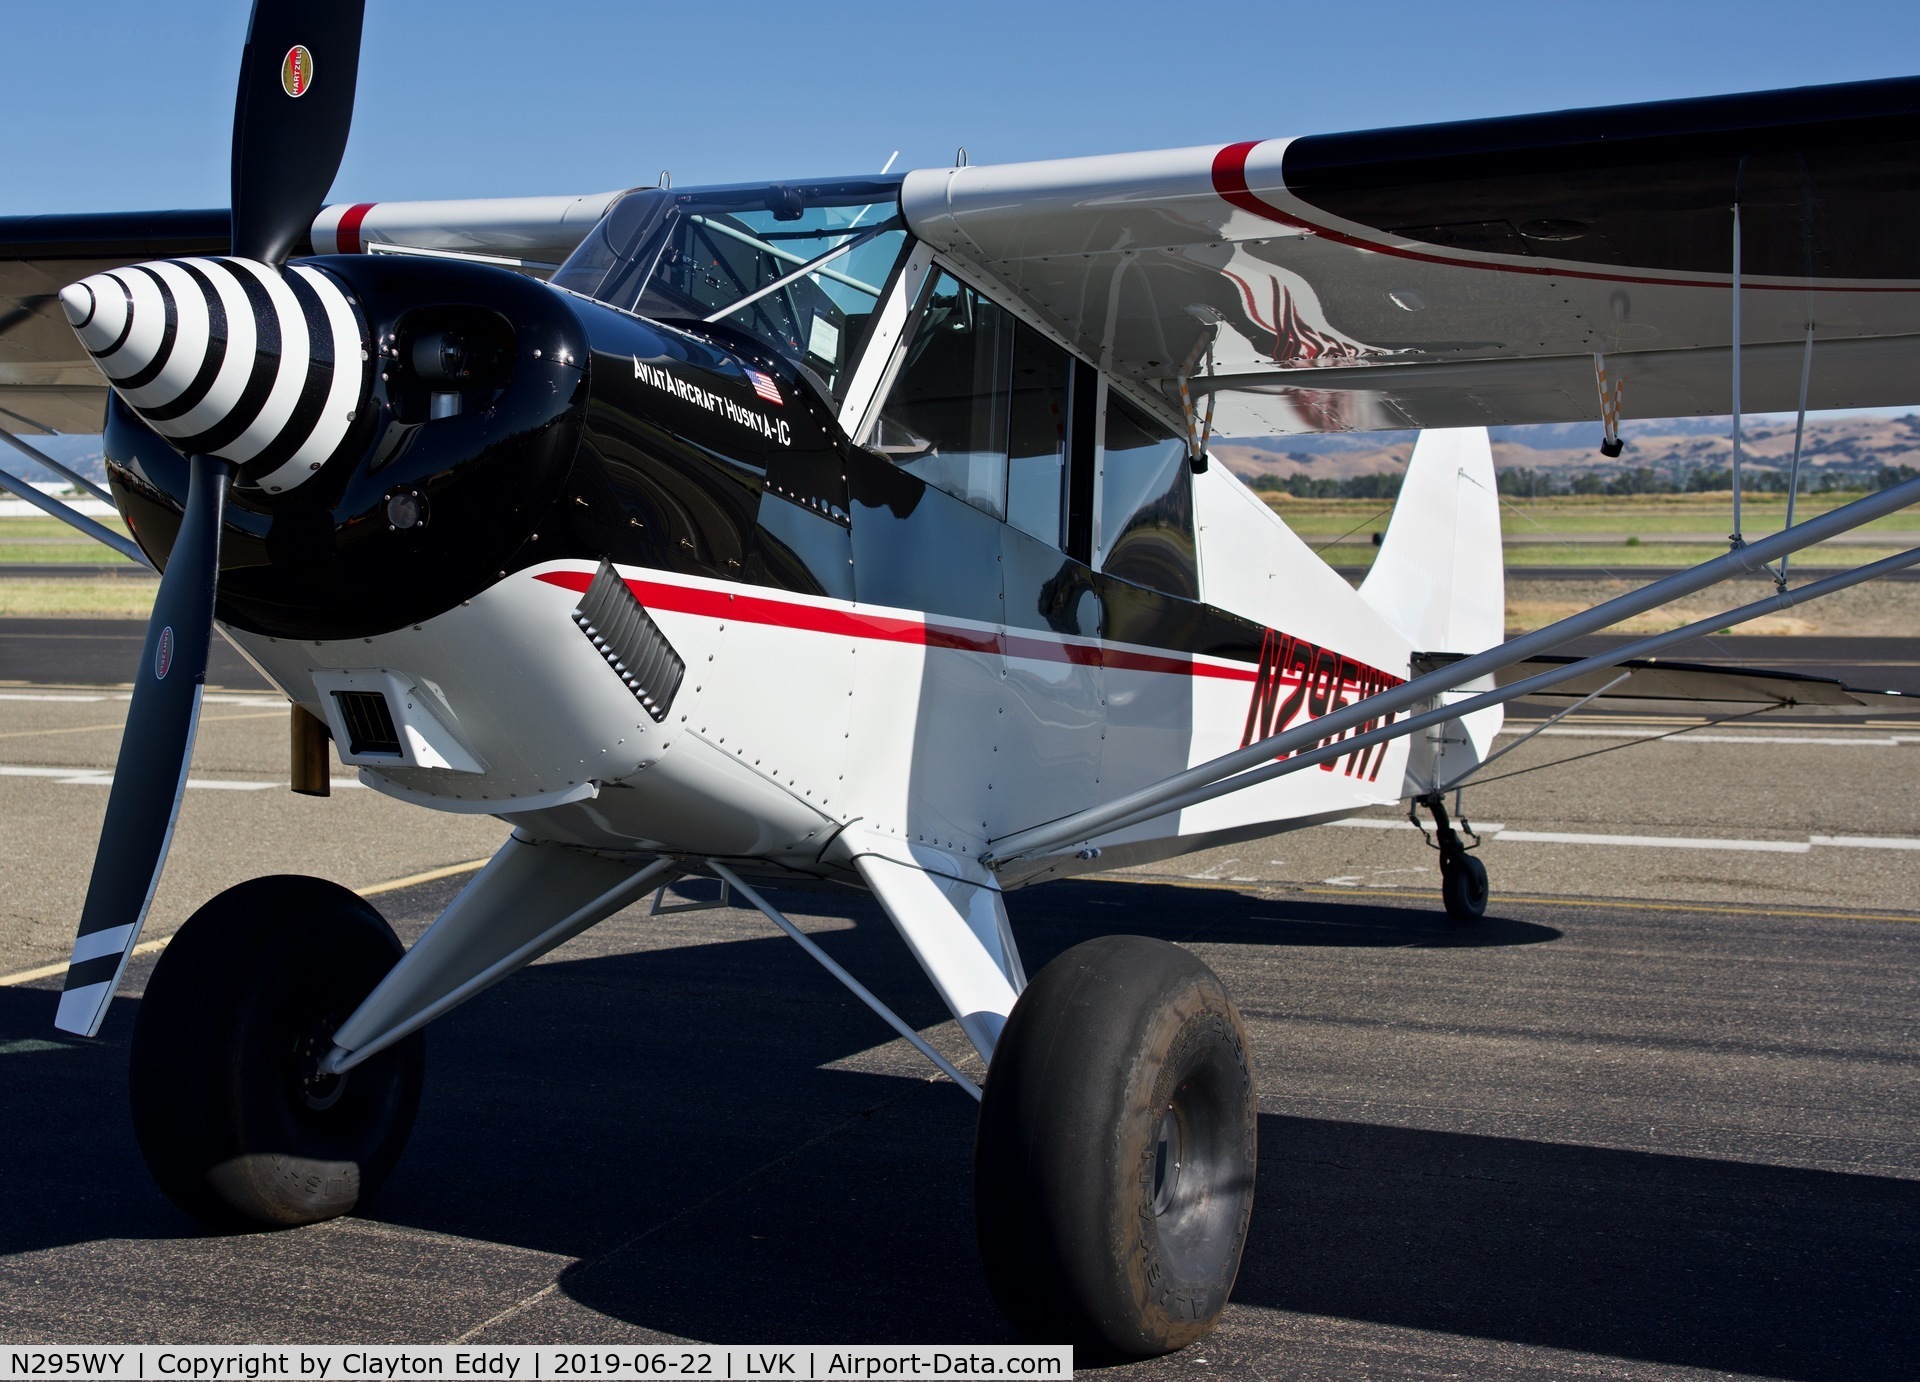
(859, 532)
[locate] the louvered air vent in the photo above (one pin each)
(632, 644)
(369, 722)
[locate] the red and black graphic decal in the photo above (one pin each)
(1300, 681)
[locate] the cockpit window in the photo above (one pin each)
(799, 267)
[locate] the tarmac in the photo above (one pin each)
(1657, 1116)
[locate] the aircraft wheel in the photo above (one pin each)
(233, 1116)
(1114, 1161)
(1463, 887)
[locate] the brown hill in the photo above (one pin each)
(1853, 444)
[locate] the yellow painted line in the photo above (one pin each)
(430, 876)
(27, 976)
(122, 724)
(1707, 908)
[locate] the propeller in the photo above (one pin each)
(290, 119)
(290, 126)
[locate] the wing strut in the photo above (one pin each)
(1228, 773)
(39, 457)
(99, 532)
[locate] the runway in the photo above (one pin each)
(1656, 1117)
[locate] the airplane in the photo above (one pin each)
(861, 533)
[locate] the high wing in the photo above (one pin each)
(48, 383)
(1470, 273)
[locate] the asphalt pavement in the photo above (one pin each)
(1656, 1117)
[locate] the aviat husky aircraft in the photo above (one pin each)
(860, 532)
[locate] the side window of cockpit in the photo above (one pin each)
(1146, 504)
(981, 408)
(945, 418)
(1037, 425)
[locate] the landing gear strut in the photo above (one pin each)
(1463, 878)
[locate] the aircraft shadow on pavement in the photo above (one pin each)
(667, 1118)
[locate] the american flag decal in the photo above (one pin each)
(765, 387)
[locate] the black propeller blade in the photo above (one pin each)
(290, 127)
(152, 770)
(290, 120)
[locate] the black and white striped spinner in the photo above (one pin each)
(229, 358)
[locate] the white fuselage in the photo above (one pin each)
(801, 715)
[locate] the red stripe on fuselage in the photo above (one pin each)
(346, 237)
(1230, 182)
(759, 609)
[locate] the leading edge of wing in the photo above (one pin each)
(1822, 175)
(123, 237)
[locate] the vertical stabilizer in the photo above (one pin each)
(1439, 579)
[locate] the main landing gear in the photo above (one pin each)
(1114, 1162)
(1114, 1159)
(1463, 878)
(234, 1117)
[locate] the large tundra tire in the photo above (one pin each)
(1114, 1161)
(233, 1115)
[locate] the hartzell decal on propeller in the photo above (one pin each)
(860, 532)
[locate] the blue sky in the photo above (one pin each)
(116, 105)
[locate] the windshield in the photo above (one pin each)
(800, 267)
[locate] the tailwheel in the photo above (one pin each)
(1114, 1162)
(236, 1120)
(1463, 878)
(1463, 887)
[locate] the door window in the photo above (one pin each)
(945, 418)
(1146, 504)
(1038, 415)
(981, 408)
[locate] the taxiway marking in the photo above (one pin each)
(1276, 890)
(121, 724)
(1877, 741)
(103, 777)
(1494, 830)
(27, 976)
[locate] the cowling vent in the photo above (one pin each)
(621, 630)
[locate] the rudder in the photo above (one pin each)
(1439, 578)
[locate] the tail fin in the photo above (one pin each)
(1439, 578)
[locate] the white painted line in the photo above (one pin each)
(1879, 741)
(1375, 823)
(105, 779)
(1865, 841)
(212, 698)
(101, 777)
(1497, 831)
(1555, 837)
(72, 777)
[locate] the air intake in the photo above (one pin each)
(369, 723)
(626, 636)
